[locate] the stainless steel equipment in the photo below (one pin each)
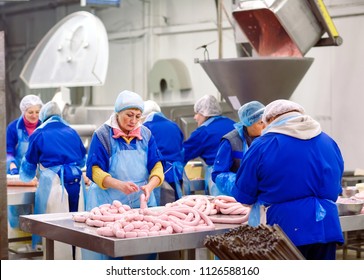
(183, 116)
(74, 53)
(349, 206)
(281, 32)
(244, 79)
(286, 28)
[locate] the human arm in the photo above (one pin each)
(221, 174)
(245, 189)
(11, 143)
(97, 156)
(155, 168)
(27, 171)
(105, 181)
(194, 145)
(156, 178)
(30, 160)
(97, 166)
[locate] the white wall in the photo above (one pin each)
(157, 30)
(333, 90)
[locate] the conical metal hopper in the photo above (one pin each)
(243, 79)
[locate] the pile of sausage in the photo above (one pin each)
(189, 214)
(211, 206)
(118, 220)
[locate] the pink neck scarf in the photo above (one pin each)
(134, 133)
(30, 127)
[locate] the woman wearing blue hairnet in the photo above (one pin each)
(235, 144)
(169, 139)
(204, 141)
(293, 173)
(17, 141)
(123, 160)
(56, 151)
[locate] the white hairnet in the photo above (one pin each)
(49, 109)
(29, 101)
(280, 107)
(150, 106)
(208, 106)
(128, 100)
(251, 112)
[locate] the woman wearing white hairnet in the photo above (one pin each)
(56, 151)
(204, 141)
(235, 144)
(169, 139)
(17, 141)
(294, 171)
(123, 160)
(19, 130)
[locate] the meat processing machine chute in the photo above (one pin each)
(281, 32)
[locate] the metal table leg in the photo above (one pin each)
(49, 250)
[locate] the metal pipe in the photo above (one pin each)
(219, 26)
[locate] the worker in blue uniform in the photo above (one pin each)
(234, 145)
(17, 141)
(55, 151)
(204, 141)
(292, 173)
(19, 130)
(169, 138)
(123, 160)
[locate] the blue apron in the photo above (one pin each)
(51, 195)
(14, 211)
(125, 165)
(177, 169)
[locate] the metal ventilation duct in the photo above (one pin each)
(241, 80)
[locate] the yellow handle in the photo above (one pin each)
(327, 18)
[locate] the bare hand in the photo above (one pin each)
(123, 186)
(127, 187)
(147, 190)
(86, 179)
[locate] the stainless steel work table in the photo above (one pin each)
(353, 222)
(21, 195)
(61, 227)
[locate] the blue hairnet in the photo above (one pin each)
(251, 112)
(49, 109)
(208, 106)
(128, 100)
(29, 101)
